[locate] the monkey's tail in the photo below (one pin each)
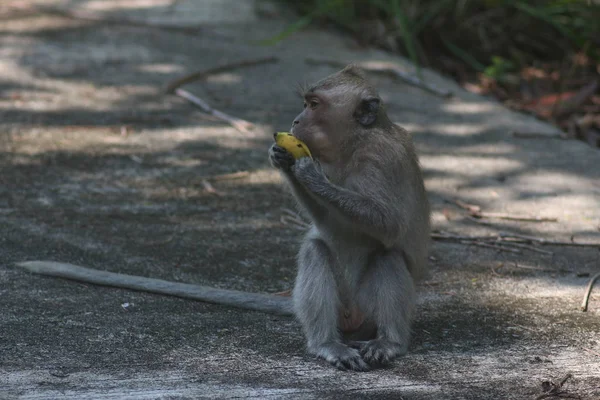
(250, 301)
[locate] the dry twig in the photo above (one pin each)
(490, 245)
(475, 212)
(231, 176)
(533, 239)
(385, 67)
(503, 241)
(588, 292)
(542, 269)
(592, 351)
(552, 389)
(209, 188)
(513, 217)
(198, 75)
(238, 123)
(285, 293)
(529, 247)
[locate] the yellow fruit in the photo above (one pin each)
(296, 147)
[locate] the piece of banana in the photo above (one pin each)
(296, 147)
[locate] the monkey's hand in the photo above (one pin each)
(281, 159)
(309, 173)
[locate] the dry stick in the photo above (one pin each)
(194, 76)
(231, 176)
(443, 236)
(555, 391)
(238, 123)
(384, 67)
(505, 238)
(528, 247)
(594, 352)
(542, 269)
(475, 211)
(588, 292)
(209, 188)
(546, 241)
(509, 217)
(491, 246)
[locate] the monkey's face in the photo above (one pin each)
(334, 109)
(313, 125)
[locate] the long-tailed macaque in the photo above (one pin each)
(364, 194)
(363, 191)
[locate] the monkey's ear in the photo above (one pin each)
(367, 110)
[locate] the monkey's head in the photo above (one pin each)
(336, 109)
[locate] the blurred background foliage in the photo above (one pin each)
(532, 54)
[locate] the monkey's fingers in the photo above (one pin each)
(357, 344)
(279, 149)
(342, 357)
(380, 351)
(281, 158)
(352, 364)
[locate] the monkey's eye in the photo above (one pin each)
(313, 104)
(304, 105)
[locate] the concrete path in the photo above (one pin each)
(98, 167)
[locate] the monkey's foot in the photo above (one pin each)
(381, 351)
(341, 357)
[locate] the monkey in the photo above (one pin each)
(368, 240)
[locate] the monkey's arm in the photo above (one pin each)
(315, 210)
(283, 161)
(250, 301)
(371, 213)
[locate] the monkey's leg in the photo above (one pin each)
(388, 294)
(316, 304)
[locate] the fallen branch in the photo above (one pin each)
(530, 267)
(529, 247)
(444, 236)
(574, 103)
(209, 188)
(285, 293)
(490, 245)
(475, 212)
(588, 292)
(513, 217)
(509, 239)
(533, 239)
(238, 123)
(198, 75)
(385, 67)
(231, 176)
(552, 389)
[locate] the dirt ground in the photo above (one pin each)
(99, 167)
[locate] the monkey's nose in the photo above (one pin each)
(296, 122)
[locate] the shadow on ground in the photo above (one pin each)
(100, 168)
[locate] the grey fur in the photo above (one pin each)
(365, 196)
(249, 301)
